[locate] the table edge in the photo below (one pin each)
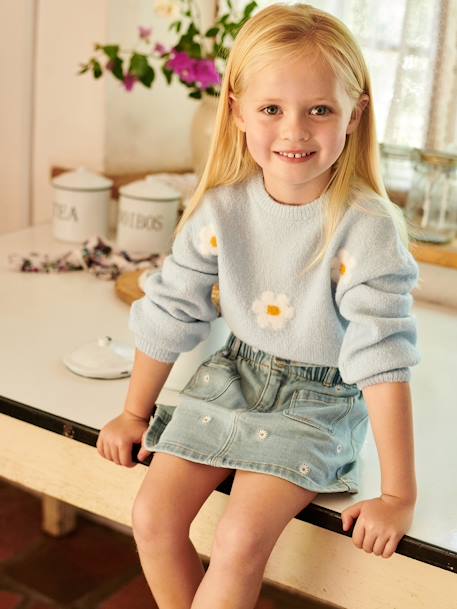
(313, 514)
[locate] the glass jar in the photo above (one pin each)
(431, 205)
(397, 164)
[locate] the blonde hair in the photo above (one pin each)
(282, 32)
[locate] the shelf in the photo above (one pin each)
(440, 255)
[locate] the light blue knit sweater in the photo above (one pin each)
(352, 310)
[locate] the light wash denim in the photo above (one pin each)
(247, 409)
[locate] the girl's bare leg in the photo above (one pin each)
(259, 508)
(169, 498)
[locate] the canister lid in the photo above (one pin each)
(81, 179)
(151, 188)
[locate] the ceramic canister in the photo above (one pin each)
(81, 205)
(148, 211)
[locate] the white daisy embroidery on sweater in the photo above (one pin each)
(342, 265)
(272, 310)
(208, 244)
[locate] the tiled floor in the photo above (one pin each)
(95, 567)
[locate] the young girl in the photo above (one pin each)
(292, 220)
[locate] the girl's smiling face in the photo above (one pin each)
(298, 107)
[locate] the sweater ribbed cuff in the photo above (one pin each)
(162, 355)
(400, 375)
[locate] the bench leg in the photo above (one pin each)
(58, 517)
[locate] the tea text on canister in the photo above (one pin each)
(65, 212)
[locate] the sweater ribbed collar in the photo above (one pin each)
(257, 191)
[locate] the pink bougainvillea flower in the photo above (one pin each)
(200, 71)
(145, 33)
(206, 73)
(129, 81)
(182, 65)
(160, 49)
(180, 60)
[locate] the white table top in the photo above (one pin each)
(44, 316)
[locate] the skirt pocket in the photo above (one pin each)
(322, 410)
(162, 416)
(212, 379)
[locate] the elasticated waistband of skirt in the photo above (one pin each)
(327, 375)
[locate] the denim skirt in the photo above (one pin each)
(247, 409)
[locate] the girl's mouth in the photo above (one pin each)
(294, 159)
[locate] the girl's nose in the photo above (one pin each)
(296, 128)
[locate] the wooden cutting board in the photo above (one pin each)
(127, 287)
(128, 290)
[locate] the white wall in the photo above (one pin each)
(69, 117)
(79, 120)
(51, 116)
(16, 61)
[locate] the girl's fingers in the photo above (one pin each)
(368, 542)
(125, 455)
(143, 453)
(358, 534)
(390, 548)
(108, 452)
(115, 454)
(98, 446)
(379, 545)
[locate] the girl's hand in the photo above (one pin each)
(115, 440)
(381, 523)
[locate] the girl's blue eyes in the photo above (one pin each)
(274, 106)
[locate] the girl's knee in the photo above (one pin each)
(143, 526)
(153, 522)
(239, 544)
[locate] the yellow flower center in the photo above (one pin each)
(273, 310)
(342, 269)
(213, 241)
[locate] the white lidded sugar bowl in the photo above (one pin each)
(81, 205)
(148, 211)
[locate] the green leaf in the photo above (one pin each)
(111, 50)
(117, 69)
(249, 8)
(175, 25)
(213, 31)
(139, 65)
(168, 74)
(195, 50)
(195, 94)
(97, 68)
(84, 67)
(192, 30)
(148, 77)
(212, 91)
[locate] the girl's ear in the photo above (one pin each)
(357, 113)
(236, 112)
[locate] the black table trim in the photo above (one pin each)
(313, 514)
